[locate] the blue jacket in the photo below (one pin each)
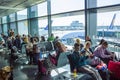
(78, 60)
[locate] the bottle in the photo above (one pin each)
(75, 73)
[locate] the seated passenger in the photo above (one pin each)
(87, 51)
(59, 47)
(81, 65)
(42, 39)
(101, 41)
(102, 52)
(81, 45)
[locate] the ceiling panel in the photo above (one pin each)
(10, 6)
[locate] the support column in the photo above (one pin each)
(16, 24)
(33, 22)
(90, 18)
(49, 17)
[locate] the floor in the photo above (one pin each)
(22, 70)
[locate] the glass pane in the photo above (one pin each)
(5, 29)
(107, 2)
(4, 19)
(22, 14)
(58, 6)
(23, 27)
(42, 9)
(108, 27)
(69, 28)
(43, 27)
(105, 19)
(0, 20)
(12, 17)
(0, 29)
(13, 27)
(33, 12)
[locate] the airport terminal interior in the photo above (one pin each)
(59, 39)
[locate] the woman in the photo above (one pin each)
(103, 53)
(59, 47)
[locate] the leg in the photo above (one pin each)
(91, 71)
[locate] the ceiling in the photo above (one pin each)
(10, 6)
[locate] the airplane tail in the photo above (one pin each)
(46, 28)
(112, 23)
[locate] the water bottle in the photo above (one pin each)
(75, 73)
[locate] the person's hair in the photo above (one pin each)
(101, 41)
(86, 43)
(78, 40)
(105, 43)
(76, 45)
(42, 38)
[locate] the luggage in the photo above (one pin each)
(45, 66)
(114, 67)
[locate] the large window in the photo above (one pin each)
(68, 28)
(107, 2)
(108, 26)
(5, 29)
(33, 13)
(4, 19)
(43, 27)
(23, 27)
(42, 9)
(0, 29)
(22, 14)
(58, 6)
(0, 20)
(13, 27)
(12, 17)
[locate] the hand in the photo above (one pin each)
(91, 55)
